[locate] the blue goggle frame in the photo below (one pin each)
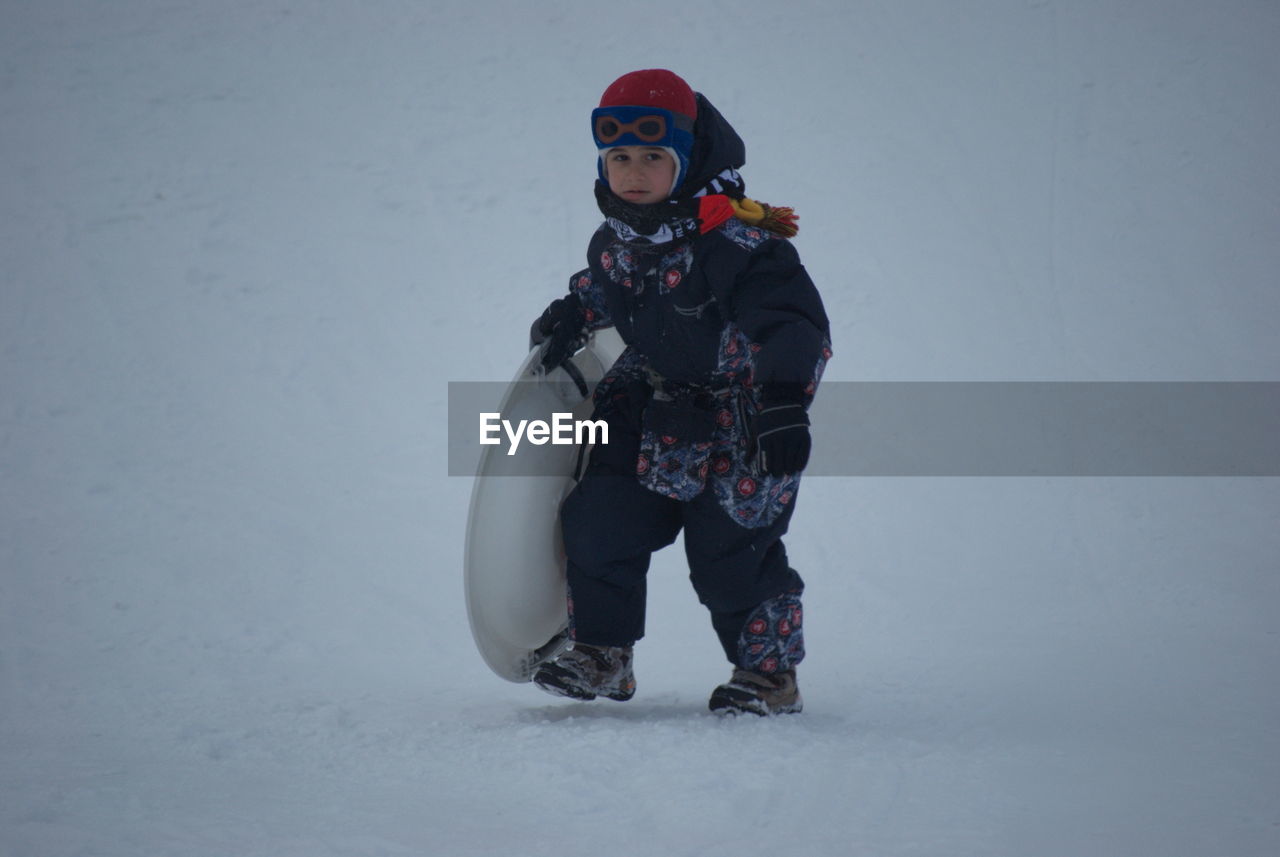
(641, 126)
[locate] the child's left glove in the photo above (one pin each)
(779, 434)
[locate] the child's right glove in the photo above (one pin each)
(562, 327)
(779, 432)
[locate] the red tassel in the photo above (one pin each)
(781, 220)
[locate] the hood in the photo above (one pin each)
(716, 147)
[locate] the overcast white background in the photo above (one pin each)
(245, 245)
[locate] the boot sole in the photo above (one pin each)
(730, 701)
(555, 683)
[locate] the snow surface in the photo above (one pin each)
(245, 245)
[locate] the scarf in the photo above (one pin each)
(711, 205)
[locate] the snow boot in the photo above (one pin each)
(757, 693)
(584, 672)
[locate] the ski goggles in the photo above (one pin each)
(641, 126)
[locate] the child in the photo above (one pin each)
(707, 406)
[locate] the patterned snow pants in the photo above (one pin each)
(612, 525)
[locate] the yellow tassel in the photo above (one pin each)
(779, 220)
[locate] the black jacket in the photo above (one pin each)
(730, 310)
(672, 302)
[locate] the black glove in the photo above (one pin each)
(561, 330)
(779, 433)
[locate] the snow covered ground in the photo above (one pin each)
(245, 245)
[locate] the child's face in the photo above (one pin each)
(640, 174)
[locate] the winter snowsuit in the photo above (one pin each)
(712, 318)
